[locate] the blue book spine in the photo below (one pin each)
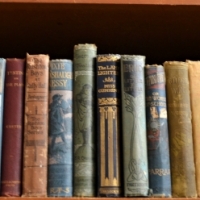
(157, 132)
(108, 125)
(2, 81)
(60, 129)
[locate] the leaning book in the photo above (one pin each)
(60, 129)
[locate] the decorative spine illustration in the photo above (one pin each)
(134, 126)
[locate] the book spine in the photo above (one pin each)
(135, 163)
(13, 128)
(108, 124)
(36, 126)
(194, 74)
(157, 132)
(180, 129)
(2, 82)
(84, 119)
(60, 129)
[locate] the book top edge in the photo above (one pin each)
(193, 61)
(38, 55)
(85, 46)
(15, 59)
(133, 57)
(108, 57)
(153, 65)
(61, 60)
(175, 64)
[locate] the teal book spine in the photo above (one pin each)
(60, 129)
(84, 120)
(136, 182)
(2, 81)
(109, 125)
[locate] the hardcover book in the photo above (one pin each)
(13, 128)
(135, 162)
(84, 118)
(60, 129)
(2, 81)
(180, 129)
(108, 124)
(36, 126)
(157, 132)
(194, 79)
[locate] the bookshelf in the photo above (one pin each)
(159, 29)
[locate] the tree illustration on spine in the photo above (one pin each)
(135, 106)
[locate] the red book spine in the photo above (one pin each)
(13, 128)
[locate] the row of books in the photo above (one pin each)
(98, 126)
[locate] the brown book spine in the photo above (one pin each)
(13, 128)
(180, 129)
(36, 126)
(194, 77)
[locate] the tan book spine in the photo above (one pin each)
(36, 126)
(180, 129)
(194, 78)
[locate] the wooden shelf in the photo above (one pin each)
(152, 2)
(92, 198)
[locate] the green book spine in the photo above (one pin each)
(108, 118)
(84, 128)
(134, 126)
(180, 129)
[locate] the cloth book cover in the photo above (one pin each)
(36, 126)
(84, 120)
(194, 79)
(157, 132)
(60, 145)
(135, 163)
(2, 81)
(109, 125)
(13, 126)
(180, 129)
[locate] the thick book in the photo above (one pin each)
(135, 163)
(13, 125)
(60, 129)
(157, 132)
(2, 82)
(84, 119)
(180, 129)
(36, 126)
(194, 79)
(109, 125)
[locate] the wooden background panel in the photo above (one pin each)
(159, 32)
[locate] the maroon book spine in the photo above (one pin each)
(13, 128)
